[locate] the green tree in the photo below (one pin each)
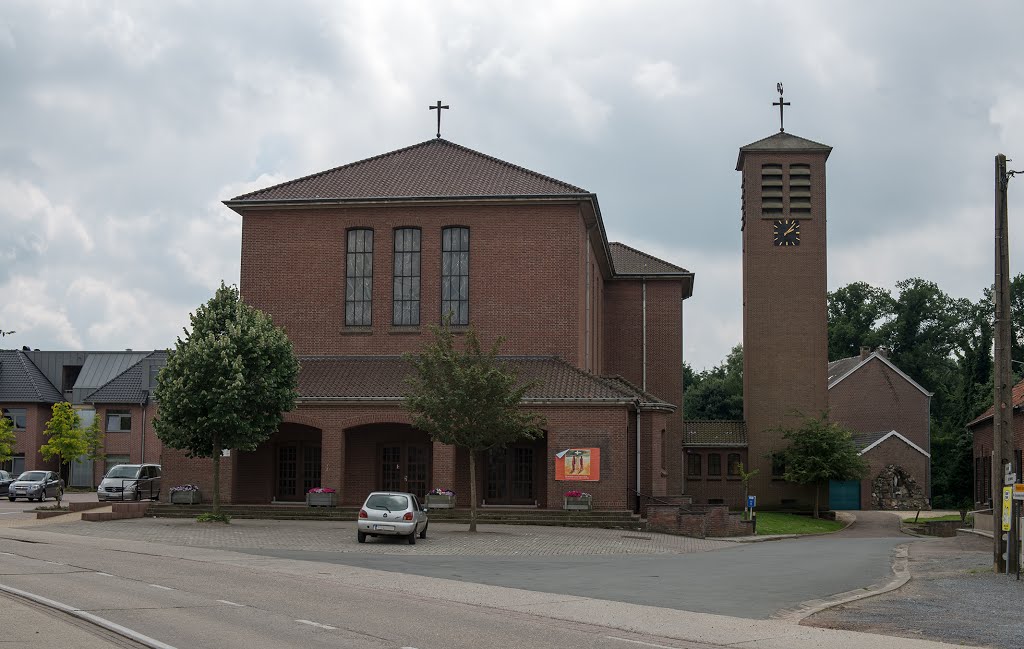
(94, 439)
(821, 450)
(717, 393)
(855, 315)
(227, 383)
(7, 439)
(745, 477)
(468, 398)
(66, 439)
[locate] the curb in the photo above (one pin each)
(113, 627)
(901, 575)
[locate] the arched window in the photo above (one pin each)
(733, 465)
(714, 465)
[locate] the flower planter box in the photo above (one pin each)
(580, 503)
(186, 498)
(322, 500)
(440, 502)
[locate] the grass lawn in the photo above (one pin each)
(948, 517)
(778, 523)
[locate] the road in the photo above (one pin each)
(195, 597)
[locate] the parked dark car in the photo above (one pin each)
(130, 482)
(36, 485)
(5, 481)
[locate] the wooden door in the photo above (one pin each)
(405, 468)
(297, 470)
(510, 476)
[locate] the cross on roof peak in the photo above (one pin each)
(438, 107)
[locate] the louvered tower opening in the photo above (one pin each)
(799, 190)
(771, 190)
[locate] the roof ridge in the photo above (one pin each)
(380, 156)
(644, 254)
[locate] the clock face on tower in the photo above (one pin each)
(786, 232)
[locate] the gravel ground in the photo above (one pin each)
(952, 596)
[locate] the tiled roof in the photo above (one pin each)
(22, 381)
(126, 387)
(781, 142)
(630, 261)
(714, 432)
(1017, 399)
(864, 440)
(645, 398)
(435, 168)
(359, 378)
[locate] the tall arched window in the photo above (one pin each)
(455, 274)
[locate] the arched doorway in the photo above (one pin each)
(283, 468)
(386, 457)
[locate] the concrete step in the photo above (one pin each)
(118, 511)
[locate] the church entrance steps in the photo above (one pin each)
(603, 519)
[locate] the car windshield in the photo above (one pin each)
(123, 472)
(387, 502)
(32, 476)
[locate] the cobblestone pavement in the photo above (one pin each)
(442, 538)
(952, 596)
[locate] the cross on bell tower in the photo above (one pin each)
(781, 103)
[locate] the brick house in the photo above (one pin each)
(981, 428)
(114, 386)
(356, 262)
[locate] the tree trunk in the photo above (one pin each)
(472, 490)
(216, 474)
(817, 490)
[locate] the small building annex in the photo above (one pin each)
(358, 261)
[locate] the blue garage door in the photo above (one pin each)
(844, 494)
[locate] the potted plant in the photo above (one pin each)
(577, 500)
(186, 494)
(321, 497)
(440, 498)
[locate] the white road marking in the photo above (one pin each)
(224, 601)
(640, 642)
(56, 563)
(7, 554)
(161, 587)
(103, 574)
(318, 625)
(8, 513)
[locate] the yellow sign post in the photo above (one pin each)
(1007, 508)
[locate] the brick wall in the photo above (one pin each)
(293, 267)
(711, 521)
(705, 488)
(785, 338)
(983, 451)
(875, 398)
(131, 443)
(28, 441)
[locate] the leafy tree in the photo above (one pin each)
(745, 477)
(855, 313)
(227, 383)
(821, 450)
(67, 441)
(93, 434)
(7, 439)
(468, 398)
(717, 393)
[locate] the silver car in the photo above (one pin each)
(390, 513)
(36, 485)
(130, 482)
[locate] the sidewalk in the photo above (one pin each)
(30, 625)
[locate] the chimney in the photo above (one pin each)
(883, 352)
(865, 351)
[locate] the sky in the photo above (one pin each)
(123, 125)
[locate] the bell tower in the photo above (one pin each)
(785, 311)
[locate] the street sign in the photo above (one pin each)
(752, 501)
(1007, 508)
(1009, 478)
(1018, 492)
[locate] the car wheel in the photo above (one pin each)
(412, 538)
(423, 534)
(60, 495)
(42, 496)
(361, 537)
(11, 498)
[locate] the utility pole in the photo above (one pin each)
(1002, 429)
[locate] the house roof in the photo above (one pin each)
(783, 143)
(129, 385)
(22, 381)
(864, 442)
(630, 261)
(1017, 398)
(435, 168)
(383, 378)
(99, 368)
(844, 367)
(714, 433)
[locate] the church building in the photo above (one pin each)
(358, 261)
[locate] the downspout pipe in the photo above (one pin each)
(638, 457)
(145, 402)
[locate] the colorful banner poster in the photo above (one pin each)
(583, 464)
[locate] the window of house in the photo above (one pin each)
(407, 277)
(778, 465)
(455, 274)
(113, 460)
(154, 370)
(733, 465)
(17, 417)
(15, 466)
(358, 277)
(119, 421)
(693, 465)
(715, 464)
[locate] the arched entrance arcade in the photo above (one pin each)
(283, 468)
(386, 457)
